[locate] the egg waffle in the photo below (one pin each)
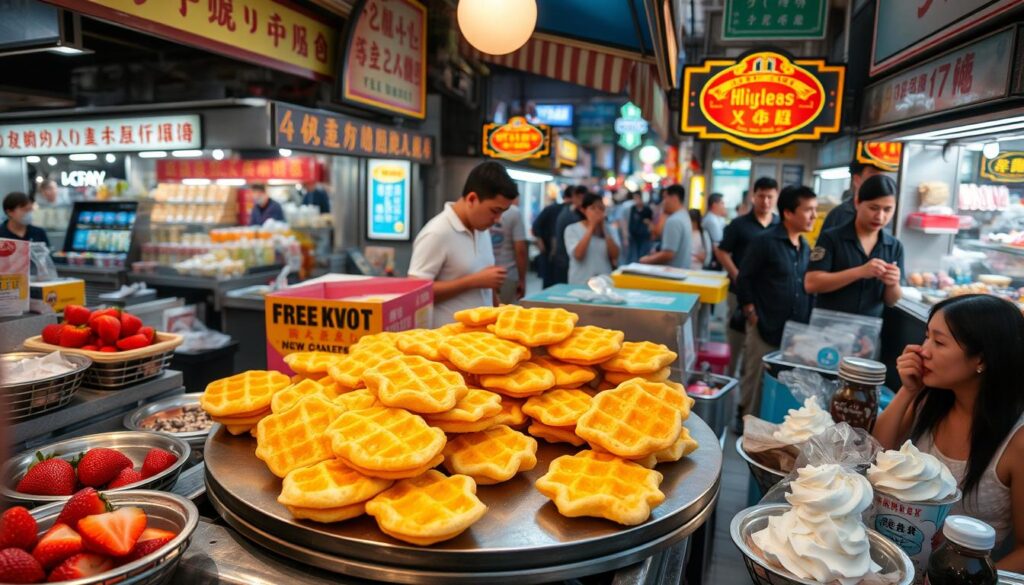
(242, 394)
(244, 423)
(630, 422)
(374, 339)
(357, 400)
(475, 405)
(553, 434)
(427, 509)
(620, 377)
(535, 327)
(511, 415)
(483, 353)
(560, 407)
(457, 328)
(415, 383)
(603, 486)
(491, 456)
(421, 342)
(348, 371)
(588, 345)
(289, 396)
(528, 379)
(329, 491)
(670, 392)
(480, 316)
(683, 446)
(399, 473)
(566, 375)
(311, 363)
(296, 437)
(641, 357)
(381, 440)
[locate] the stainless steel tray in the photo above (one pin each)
(521, 539)
(195, 439)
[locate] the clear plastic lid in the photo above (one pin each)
(969, 532)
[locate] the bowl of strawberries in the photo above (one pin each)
(107, 462)
(135, 536)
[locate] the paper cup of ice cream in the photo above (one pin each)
(914, 493)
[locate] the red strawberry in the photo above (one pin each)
(130, 324)
(74, 336)
(109, 312)
(76, 315)
(18, 529)
(99, 466)
(156, 461)
(51, 333)
(124, 477)
(81, 565)
(17, 566)
(108, 328)
(59, 543)
(156, 534)
(49, 477)
(109, 349)
(149, 332)
(143, 548)
(85, 502)
(137, 341)
(114, 533)
(90, 348)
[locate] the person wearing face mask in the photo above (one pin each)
(592, 244)
(264, 207)
(961, 402)
(18, 225)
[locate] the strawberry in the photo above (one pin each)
(143, 548)
(149, 332)
(108, 312)
(76, 315)
(81, 565)
(114, 533)
(99, 466)
(137, 341)
(109, 349)
(85, 502)
(49, 477)
(124, 477)
(17, 566)
(59, 543)
(156, 461)
(74, 336)
(90, 347)
(156, 534)
(130, 324)
(17, 529)
(107, 328)
(51, 333)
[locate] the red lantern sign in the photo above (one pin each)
(884, 155)
(517, 140)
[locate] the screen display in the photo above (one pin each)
(554, 114)
(101, 227)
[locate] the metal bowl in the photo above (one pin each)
(745, 523)
(133, 444)
(27, 399)
(1008, 578)
(163, 510)
(766, 477)
(195, 439)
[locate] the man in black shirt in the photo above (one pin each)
(18, 226)
(640, 219)
(543, 230)
(770, 287)
(570, 214)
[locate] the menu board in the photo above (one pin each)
(101, 226)
(388, 199)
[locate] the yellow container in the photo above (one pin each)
(57, 294)
(711, 287)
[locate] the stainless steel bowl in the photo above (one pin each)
(765, 477)
(1008, 578)
(745, 523)
(134, 444)
(163, 510)
(195, 439)
(26, 399)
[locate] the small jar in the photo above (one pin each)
(966, 556)
(856, 401)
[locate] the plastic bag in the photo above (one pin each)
(804, 384)
(815, 347)
(866, 330)
(39, 254)
(197, 337)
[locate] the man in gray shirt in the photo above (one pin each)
(508, 238)
(677, 235)
(714, 220)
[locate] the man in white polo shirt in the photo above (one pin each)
(454, 248)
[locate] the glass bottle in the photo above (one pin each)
(966, 556)
(856, 401)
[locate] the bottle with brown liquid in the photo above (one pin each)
(965, 558)
(856, 401)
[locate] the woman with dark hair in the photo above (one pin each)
(961, 401)
(592, 246)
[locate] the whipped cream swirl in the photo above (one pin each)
(803, 423)
(911, 476)
(822, 537)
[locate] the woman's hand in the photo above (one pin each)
(594, 215)
(910, 366)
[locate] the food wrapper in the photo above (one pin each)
(32, 369)
(761, 445)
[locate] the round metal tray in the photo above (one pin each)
(26, 399)
(521, 539)
(195, 439)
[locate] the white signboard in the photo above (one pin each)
(176, 132)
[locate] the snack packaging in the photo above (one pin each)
(14, 270)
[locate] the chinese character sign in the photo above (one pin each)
(298, 169)
(517, 139)
(314, 130)
(763, 100)
(884, 155)
(1008, 167)
(180, 132)
(386, 58)
(387, 199)
(774, 19)
(265, 32)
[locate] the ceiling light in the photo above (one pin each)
(991, 150)
(110, 158)
(529, 177)
(992, 126)
(218, 154)
(195, 181)
(610, 181)
(231, 182)
(284, 151)
(52, 160)
(32, 159)
(497, 27)
(153, 154)
(83, 157)
(649, 154)
(186, 153)
(834, 174)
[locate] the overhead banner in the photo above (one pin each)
(884, 155)
(517, 139)
(300, 169)
(1008, 167)
(177, 132)
(387, 199)
(318, 131)
(774, 20)
(762, 100)
(385, 66)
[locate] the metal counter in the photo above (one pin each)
(217, 288)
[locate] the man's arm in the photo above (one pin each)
(659, 257)
(818, 281)
(725, 259)
(446, 289)
(522, 262)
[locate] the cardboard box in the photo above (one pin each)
(14, 269)
(659, 317)
(332, 315)
(53, 295)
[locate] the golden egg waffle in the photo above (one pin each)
(641, 357)
(427, 509)
(457, 328)
(553, 434)
(683, 446)
(375, 339)
(670, 392)
(399, 473)
(566, 375)
(491, 456)
(535, 327)
(483, 353)
(480, 316)
(630, 422)
(421, 342)
(512, 413)
(560, 407)
(603, 486)
(241, 424)
(381, 439)
(588, 346)
(289, 396)
(329, 491)
(528, 379)
(617, 378)
(348, 372)
(246, 393)
(296, 437)
(415, 383)
(311, 363)
(476, 404)
(357, 400)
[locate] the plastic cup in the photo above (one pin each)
(913, 526)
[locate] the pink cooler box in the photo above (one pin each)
(716, 355)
